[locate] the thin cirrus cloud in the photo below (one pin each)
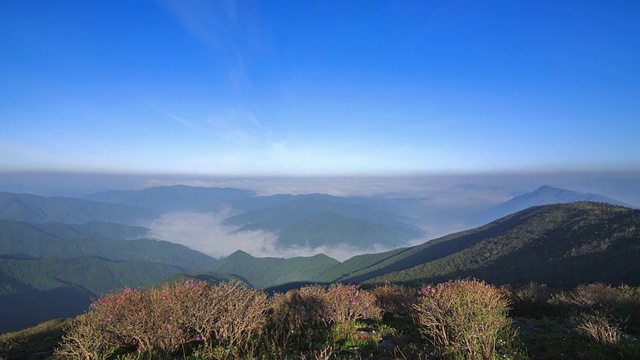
(225, 27)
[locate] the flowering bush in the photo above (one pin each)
(463, 318)
(350, 303)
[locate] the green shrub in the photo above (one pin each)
(462, 318)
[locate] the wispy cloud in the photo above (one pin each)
(187, 123)
(238, 125)
(226, 26)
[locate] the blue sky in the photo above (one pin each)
(319, 87)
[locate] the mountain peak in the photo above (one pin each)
(239, 254)
(545, 188)
(544, 195)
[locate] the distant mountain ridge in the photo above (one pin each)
(20, 230)
(544, 195)
(318, 219)
(106, 240)
(40, 209)
(173, 198)
(268, 272)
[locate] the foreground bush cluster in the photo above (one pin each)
(229, 320)
(462, 319)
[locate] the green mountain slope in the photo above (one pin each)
(39, 209)
(266, 272)
(562, 244)
(19, 239)
(32, 291)
(356, 265)
(173, 198)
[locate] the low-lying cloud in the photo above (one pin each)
(205, 232)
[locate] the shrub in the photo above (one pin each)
(530, 300)
(394, 300)
(162, 320)
(87, 338)
(600, 327)
(586, 297)
(621, 304)
(240, 315)
(346, 303)
(463, 318)
(295, 316)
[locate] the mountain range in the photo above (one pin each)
(57, 253)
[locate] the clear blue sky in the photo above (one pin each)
(319, 87)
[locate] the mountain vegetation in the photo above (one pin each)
(561, 245)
